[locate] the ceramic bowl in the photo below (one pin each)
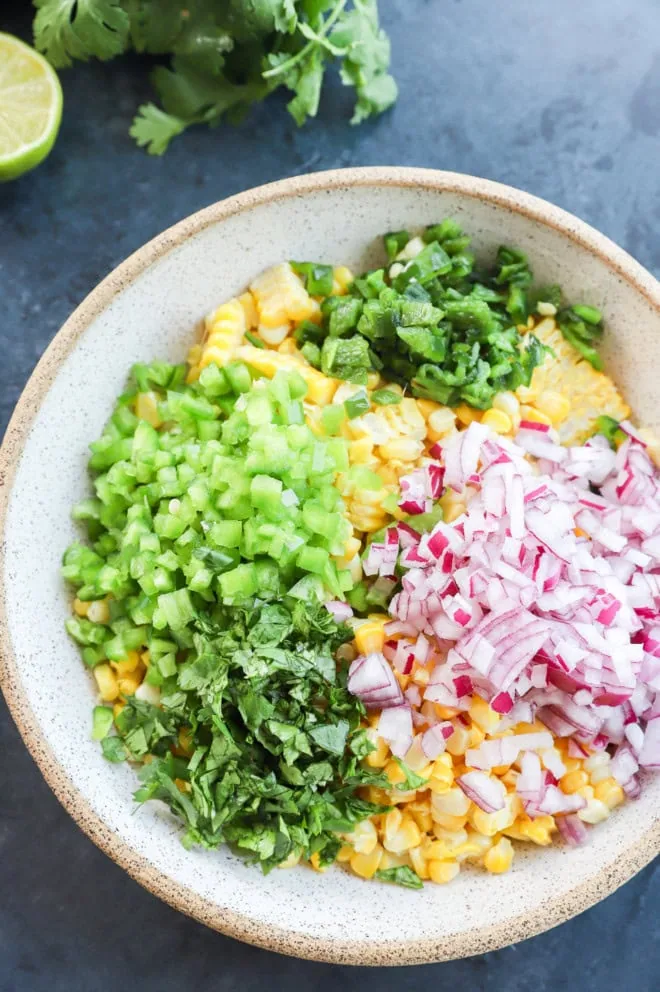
(148, 307)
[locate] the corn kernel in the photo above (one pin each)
(553, 405)
(448, 822)
(395, 773)
(442, 872)
(421, 814)
(288, 347)
(80, 608)
(451, 839)
(418, 862)
(345, 853)
(182, 785)
(500, 857)
(370, 636)
(508, 403)
(483, 715)
(342, 277)
(467, 414)
(490, 824)
(531, 413)
(106, 682)
(315, 862)
(185, 739)
(475, 736)
(399, 839)
(498, 421)
(586, 792)
(373, 380)
(99, 611)
(392, 861)
(146, 408)
(452, 803)
(574, 781)
(127, 664)
(427, 407)
(379, 757)
(117, 708)
(441, 421)
(594, 812)
(129, 683)
(598, 766)
(454, 512)
(366, 865)
(361, 452)
(609, 791)
(291, 861)
(363, 837)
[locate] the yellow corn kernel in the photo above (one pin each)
(421, 676)
(445, 713)
(117, 708)
(99, 611)
(467, 414)
(587, 792)
(127, 664)
(361, 452)
(370, 636)
(291, 861)
(395, 773)
(475, 736)
(455, 511)
(490, 824)
(421, 814)
(392, 861)
(373, 380)
(570, 764)
(453, 803)
(437, 850)
(553, 405)
(401, 839)
(538, 830)
(280, 296)
(459, 741)
(288, 347)
(483, 715)
(106, 682)
(442, 872)
(315, 862)
(146, 408)
(508, 403)
(448, 822)
(594, 812)
(342, 277)
(80, 608)
(403, 449)
(451, 839)
(418, 862)
(375, 795)
(531, 413)
(320, 388)
(366, 865)
(573, 781)
(379, 757)
(609, 792)
(129, 683)
(185, 739)
(273, 336)
(182, 785)
(441, 421)
(500, 857)
(345, 854)
(363, 838)
(194, 353)
(427, 407)
(498, 421)
(249, 309)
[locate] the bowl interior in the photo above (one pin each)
(334, 916)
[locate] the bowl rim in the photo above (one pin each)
(179, 896)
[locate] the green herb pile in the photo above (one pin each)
(225, 54)
(438, 324)
(214, 538)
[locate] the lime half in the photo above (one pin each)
(30, 107)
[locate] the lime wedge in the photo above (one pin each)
(30, 107)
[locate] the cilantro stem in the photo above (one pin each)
(290, 63)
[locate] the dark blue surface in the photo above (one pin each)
(561, 99)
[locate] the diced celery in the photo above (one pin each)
(175, 610)
(101, 722)
(226, 533)
(313, 560)
(238, 376)
(259, 409)
(266, 494)
(213, 381)
(332, 417)
(167, 665)
(241, 583)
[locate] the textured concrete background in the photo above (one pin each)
(561, 99)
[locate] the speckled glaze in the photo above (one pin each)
(148, 307)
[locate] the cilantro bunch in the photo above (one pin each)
(225, 54)
(273, 736)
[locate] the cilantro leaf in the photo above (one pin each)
(412, 780)
(331, 737)
(80, 29)
(153, 129)
(402, 875)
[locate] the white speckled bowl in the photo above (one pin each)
(146, 308)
